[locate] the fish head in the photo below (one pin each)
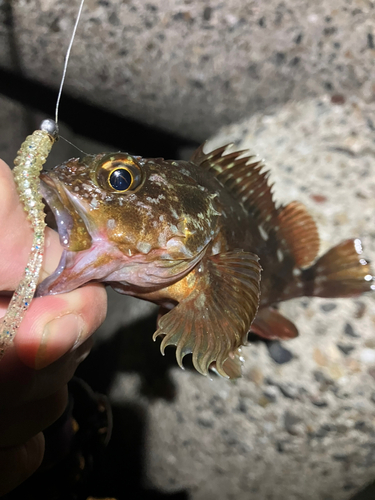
(122, 218)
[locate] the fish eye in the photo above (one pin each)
(120, 179)
(118, 173)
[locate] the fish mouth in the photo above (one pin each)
(57, 215)
(64, 215)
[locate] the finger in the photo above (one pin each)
(16, 236)
(12, 216)
(21, 424)
(4, 301)
(57, 323)
(18, 463)
(20, 384)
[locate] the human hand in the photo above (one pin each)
(52, 340)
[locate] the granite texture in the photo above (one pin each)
(191, 66)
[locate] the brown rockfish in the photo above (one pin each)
(202, 238)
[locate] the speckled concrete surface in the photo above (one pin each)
(192, 66)
(301, 422)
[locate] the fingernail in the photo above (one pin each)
(59, 336)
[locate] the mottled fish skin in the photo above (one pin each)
(195, 235)
(163, 226)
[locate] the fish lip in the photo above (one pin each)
(50, 191)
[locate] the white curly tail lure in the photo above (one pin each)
(28, 164)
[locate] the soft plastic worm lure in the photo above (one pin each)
(28, 164)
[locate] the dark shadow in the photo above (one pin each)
(122, 464)
(88, 468)
(119, 473)
(93, 122)
(366, 494)
(132, 350)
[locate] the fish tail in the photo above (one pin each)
(341, 272)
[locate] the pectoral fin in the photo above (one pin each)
(213, 320)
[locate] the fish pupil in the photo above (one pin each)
(120, 179)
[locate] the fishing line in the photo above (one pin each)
(74, 146)
(67, 60)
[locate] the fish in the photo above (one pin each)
(204, 239)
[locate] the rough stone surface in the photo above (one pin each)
(191, 66)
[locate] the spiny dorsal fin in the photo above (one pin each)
(300, 233)
(245, 178)
(212, 322)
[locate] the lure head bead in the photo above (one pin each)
(51, 127)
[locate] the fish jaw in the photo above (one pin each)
(87, 255)
(78, 268)
(71, 219)
(104, 262)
